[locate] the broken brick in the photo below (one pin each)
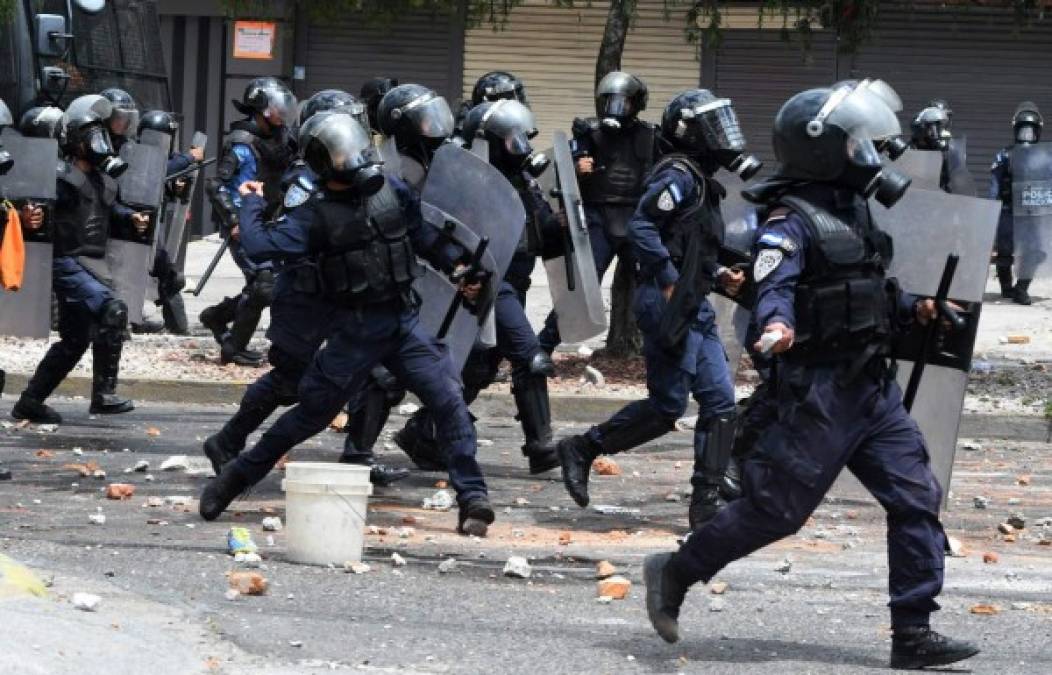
(615, 587)
(604, 466)
(120, 491)
(990, 558)
(248, 583)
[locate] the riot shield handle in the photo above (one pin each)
(944, 313)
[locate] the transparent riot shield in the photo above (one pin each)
(471, 202)
(140, 188)
(182, 194)
(927, 226)
(739, 228)
(1032, 209)
(923, 166)
(572, 278)
(32, 180)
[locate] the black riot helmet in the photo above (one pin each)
(159, 121)
(372, 93)
(42, 122)
(6, 160)
(497, 85)
(334, 100)
(1027, 123)
(270, 98)
(706, 128)
(124, 121)
(892, 146)
(828, 135)
(338, 148)
(507, 127)
(619, 99)
(929, 129)
(417, 118)
(86, 134)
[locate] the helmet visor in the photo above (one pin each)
(506, 119)
(617, 83)
(430, 116)
(862, 151)
(859, 113)
(343, 138)
(281, 108)
(124, 121)
(616, 105)
(713, 125)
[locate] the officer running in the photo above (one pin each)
(360, 234)
(675, 233)
(257, 148)
(830, 316)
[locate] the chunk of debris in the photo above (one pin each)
(178, 500)
(521, 501)
(339, 423)
(517, 567)
(673, 497)
(86, 602)
(717, 605)
(1023, 479)
(984, 609)
(593, 376)
(971, 445)
(615, 587)
(272, 524)
(957, 549)
(120, 491)
(239, 540)
(718, 587)
(44, 454)
(1017, 520)
(398, 561)
(1017, 339)
(153, 432)
(1006, 528)
(785, 567)
(687, 424)
(248, 583)
(981, 502)
(97, 519)
(248, 559)
(446, 566)
(47, 428)
(232, 594)
(990, 558)
(604, 466)
(176, 463)
(604, 569)
(356, 567)
(565, 538)
(440, 501)
(142, 466)
(99, 474)
(154, 502)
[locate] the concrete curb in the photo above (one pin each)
(565, 407)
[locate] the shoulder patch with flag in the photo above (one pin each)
(767, 261)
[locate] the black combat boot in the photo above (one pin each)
(576, 455)
(710, 472)
(224, 446)
(217, 318)
(1004, 277)
(380, 475)
(1021, 292)
(363, 428)
(60, 358)
(221, 491)
(665, 594)
(106, 364)
(535, 416)
(916, 647)
(147, 327)
(173, 310)
(475, 517)
(417, 440)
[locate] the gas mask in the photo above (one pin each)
(97, 149)
(893, 147)
(746, 166)
(516, 154)
(365, 179)
(864, 173)
(1027, 133)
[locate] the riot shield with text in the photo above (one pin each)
(572, 278)
(471, 202)
(1032, 209)
(31, 181)
(141, 188)
(927, 226)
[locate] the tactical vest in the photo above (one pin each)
(844, 305)
(622, 160)
(361, 251)
(702, 218)
(272, 160)
(84, 229)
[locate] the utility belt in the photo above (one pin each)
(379, 272)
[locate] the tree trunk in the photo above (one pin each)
(623, 339)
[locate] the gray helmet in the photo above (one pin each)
(337, 147)
(497, 85)
(619, 99)
(705, 127)
(1027, 123)
(269, 97)
(43, 122)
(415, 116)
(929, 128)
(335, 100)
(507, 127)
(829, 135)
(124, 120)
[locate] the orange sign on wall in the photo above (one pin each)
(254, 39)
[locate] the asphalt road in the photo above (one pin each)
(164, 609)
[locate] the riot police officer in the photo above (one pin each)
(675, 233)
(506, 127)
(170, 280)
(124, 121)
(817, 255)
(495, 85)
(614, 151)
(372, 93)
(299, 321)
(360, 233)
(257, 148)
(1027, 123)
(89, 313)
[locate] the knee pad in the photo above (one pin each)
(112, 321)
(541, 364)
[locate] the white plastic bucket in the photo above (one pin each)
(325, 507)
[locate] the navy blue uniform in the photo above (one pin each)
(361, 338)
(826, 420)
(1001, 190)
(699, 367)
